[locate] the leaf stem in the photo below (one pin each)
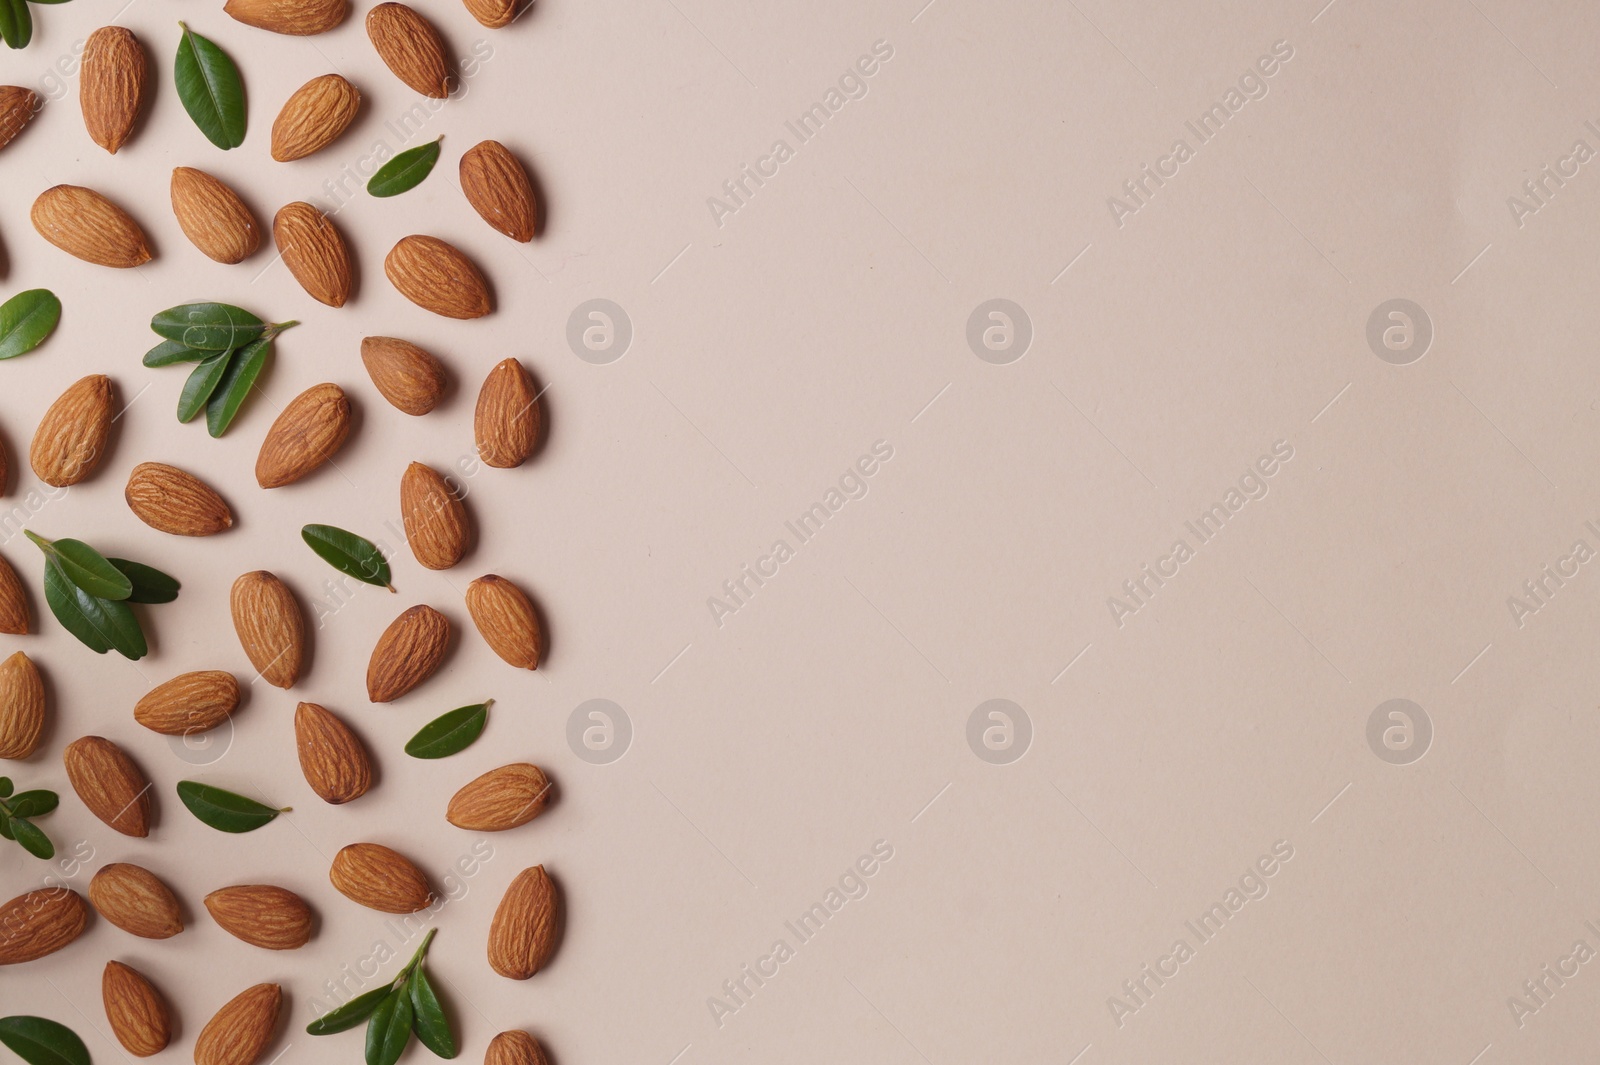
(416, 959)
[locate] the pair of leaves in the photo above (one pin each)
(348, 553)
(89, 594)
(224, 810)
(449, 733)
(405, 171)
(232, 347)
(15, 814)
(26, 319)
(209, 86)
(408, 1006)
(39, 1041)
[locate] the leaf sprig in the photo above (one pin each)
(89, 594)
(17, 812)
(232, 347)
(406, 1006)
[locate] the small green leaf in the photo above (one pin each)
(85, 567)
(201, 384)
(26, 319)
(5, 787)
(209, 86)
(150, 585)
(449, 733)
(347, 1016)
(43, 1042)
(348, 553)
(389, 1030)
(208, 327)
(100, 624)
(33, 803)
(223, 810)
(169, 352)
(429, 1022)
(16, 24)
(405, 171)
(32, 839)
(5, 825)
(247, 364)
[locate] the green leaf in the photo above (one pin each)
(350, 1014)
(348, 553)
(405, 171)
(169, 352)
(43, 1042)
(449, 733)
(201, 384)
(389, 1030)
(208, 327)
(429, 1021)
(247, 364)
(100, 624)
(150, 585)
(5, 825)
(85, 567)
(209, 86)
(26, 319)
(33, 803)
(5, 787)
(16, 24)
(223, 810)
(32, 839)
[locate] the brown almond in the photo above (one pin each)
(189, 703)
(214, 217)
(506, 619)
(406, 375)
(136, 901)
(86, 225)
(522, 935)
(17, 108)
(14, 616)
(314, 252)
(379, 879)
(497, 185)
(71, 438)
(437, 278)
(21, 706)
(40, 922)
(239, 1032)
(506, 422)
(407, 653)
(314, 117)
(514, 1047)
(493, 13)
(435, 518)
(262, 915)
(305, 435)
(411, 48)
(500, 799)
(297, 18)
(166, 498)
(109, 783)
(332, 757)
(137, 1013)
(111, 85)
(271, 628)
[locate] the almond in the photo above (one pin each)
(435, 518)
(71, 438)
(39, 923)
(239, 1032)
(411, 48)
(493, 13)
(332, 757)
(166, 498)
(135, 1009)
(213, 216)
(305, 435)
(523, 934)
(437, 278)
(188, 703)
(408, 652)
(314, 252)
(506, 422)
(13, 602)
(506, 619)
(110, 785)
(497, 186)
(262, 915)
(313, 117)
(515, 1047)
(111, 85)
(136, 901)
(500, 799)
(298, 18)
(379, 879)
(271, 628)
(17, 108)
(21, 706)
(86, 225)
(407, 376)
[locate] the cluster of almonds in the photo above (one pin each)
(70, 443)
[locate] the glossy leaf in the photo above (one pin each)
(389, 1030)
(449, 733)
(209, 86)
(201, 384)
(224, 810)
(32, 839)
(150, 585)
(347, 1016)
(40, 1041)
(99, 624)
(33, 803)
(245, 367)
(169, 352)
(5, 787)
(26, 319)
(348, 553)
(429, 1022)
(405, 171)
(208, 327)
(16, 24)
(85, 567)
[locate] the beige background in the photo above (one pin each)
(830, 711)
